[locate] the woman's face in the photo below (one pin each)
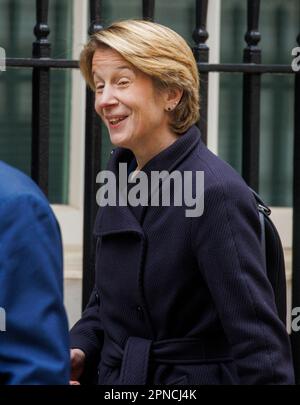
(127, 101)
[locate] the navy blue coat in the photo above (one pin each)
(34, 347)
(182, 300)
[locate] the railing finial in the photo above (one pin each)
(41, 47)
(200, 34)
(95, 17)
(252, 36)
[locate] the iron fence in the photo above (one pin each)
(252, 71)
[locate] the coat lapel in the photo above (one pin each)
(117, 219)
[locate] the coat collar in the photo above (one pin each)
(116, 219)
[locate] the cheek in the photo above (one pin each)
(155, 113)
(151, 109)
(96, 106)
(147, 119)
(99, 111)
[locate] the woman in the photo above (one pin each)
(178, 299)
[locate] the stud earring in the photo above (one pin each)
(169, 109)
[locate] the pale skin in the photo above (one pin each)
(123, 92)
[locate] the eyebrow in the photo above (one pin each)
(124, 67)
(117, 68)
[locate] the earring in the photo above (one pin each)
(172, 108)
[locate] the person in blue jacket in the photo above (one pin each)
(34, 343)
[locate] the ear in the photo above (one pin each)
(174, 95)
(172, 98)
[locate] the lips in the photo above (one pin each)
(115, 122)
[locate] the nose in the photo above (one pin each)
(106, 98)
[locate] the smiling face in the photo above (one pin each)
(128, 103)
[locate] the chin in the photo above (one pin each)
(119, 140)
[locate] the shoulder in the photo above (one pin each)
(230, 210)
(24, 209)
(227, 197)
(16, 188)
(220, 177)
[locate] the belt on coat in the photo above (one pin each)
(138, 352)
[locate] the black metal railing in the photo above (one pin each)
(40, 101)
(93, 142)
(252, 70)
(251, 100)
(201, 53)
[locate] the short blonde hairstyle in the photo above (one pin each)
(160, 53)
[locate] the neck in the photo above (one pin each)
(146, 152)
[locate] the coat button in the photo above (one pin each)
(140, 313)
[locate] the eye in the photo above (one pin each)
(99, 88)
(123, 82)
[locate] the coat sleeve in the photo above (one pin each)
(88, 335)
(226, 242)
(34, 349)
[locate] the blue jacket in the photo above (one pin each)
(184, 300)
(34, 348)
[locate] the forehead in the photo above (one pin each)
(107, 57)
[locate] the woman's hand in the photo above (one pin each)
(77, 365)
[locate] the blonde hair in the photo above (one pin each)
(157, 51)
